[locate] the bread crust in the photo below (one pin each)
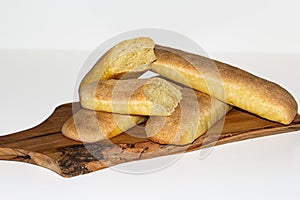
(154, 96)
(196, 113)
(227, 83)
(128, 59)
(93, 126)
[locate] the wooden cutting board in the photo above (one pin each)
(44, 145)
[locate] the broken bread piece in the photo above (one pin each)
(194, 115)
(93, 126)
(151, 97)
(226, 83)
(128, 59)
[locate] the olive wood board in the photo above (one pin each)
(44, 145)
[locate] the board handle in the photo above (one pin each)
(20, 147)
(50, 126)
(20, 155)
(25, 146)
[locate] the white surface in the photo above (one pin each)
(231, 25)
(33, 83)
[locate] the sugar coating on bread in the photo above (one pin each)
(92, 126)
(227, 83)
(154, 96)
(128, 59)
(196, 113)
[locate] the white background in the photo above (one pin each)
(232, 25)
(43, 45)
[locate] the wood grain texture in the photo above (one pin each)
(44, 145)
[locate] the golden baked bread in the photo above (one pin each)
(128, 59)
(196, 113)
(226, 83)
(93, 126)
(154, 96)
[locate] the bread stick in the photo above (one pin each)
(93, 126)
(128, 59)
(154, 96)
(196, 113)
(229, 84)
